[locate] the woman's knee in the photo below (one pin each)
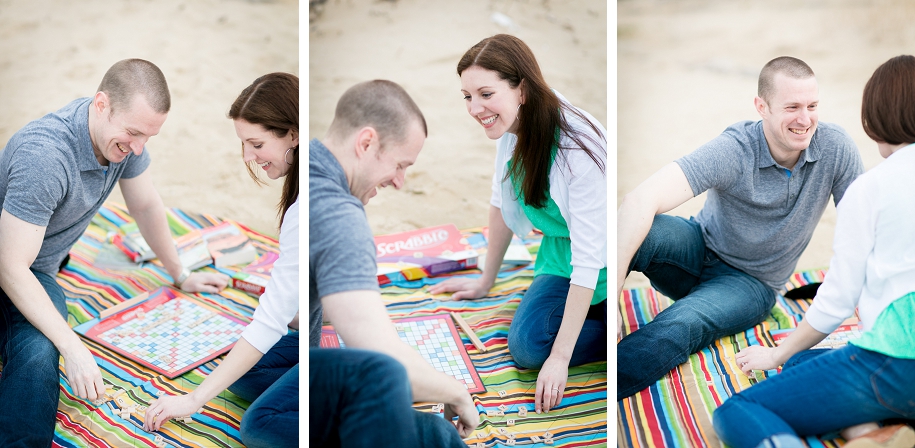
(525, 351)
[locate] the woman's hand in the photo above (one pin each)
(169, 406)
(757, 358)
(551, 384)
(463, 288)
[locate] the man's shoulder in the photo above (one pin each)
(832, 133)
(54, 133)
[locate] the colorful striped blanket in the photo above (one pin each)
(89, 290)
(677, 410)
(580, 420)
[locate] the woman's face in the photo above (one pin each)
(265, 148)
(491, 101)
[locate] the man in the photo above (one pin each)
(768, 183)
(363, 396)
(55, 173)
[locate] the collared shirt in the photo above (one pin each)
(50, 177)
(759, 216)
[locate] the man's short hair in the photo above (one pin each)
(125, 79)
(380, 104)
(786, 65)
(888, 104)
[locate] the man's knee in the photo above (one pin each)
(33, 352)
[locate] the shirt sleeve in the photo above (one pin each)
(34, 190)
(716, 164)
(280, 301)
(849, 167)
(856, 225)
(587, 218)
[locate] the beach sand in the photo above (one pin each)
(688, 69)
(209, 50)
(418, 44)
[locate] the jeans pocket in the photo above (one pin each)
(893, 387)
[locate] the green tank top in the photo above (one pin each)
(892, 333)
(555, 254)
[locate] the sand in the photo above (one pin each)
(417, 44)
(688, 69)
(209, 50)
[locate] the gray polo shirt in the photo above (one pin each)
(759, 216)
(341, 249)
(50, 177)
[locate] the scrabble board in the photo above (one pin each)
(170, 332)
(436, 339)
(837, 339)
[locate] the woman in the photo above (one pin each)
(871, 378)
(550, 174)
(263, 365)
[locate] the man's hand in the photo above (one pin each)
(205, 282)
(551, 384)
(468, 418)
(83, 373)
(463, 288)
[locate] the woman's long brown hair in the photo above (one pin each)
(272, 101)
(540, 116)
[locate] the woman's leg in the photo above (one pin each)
(273, 365)
(833, 390)
(273, 419)
(536, 324)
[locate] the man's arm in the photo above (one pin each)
(362, 321)
(663, 191)
(21, 241)
(145, 206)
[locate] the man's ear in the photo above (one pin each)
(101, 102)
(366, 139)
(761, 107)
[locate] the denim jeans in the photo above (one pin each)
(272, 385)
(711, 300)
(819, 391)
(360, 398)
(536, 324)
(30, 381)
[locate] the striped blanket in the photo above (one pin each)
(89, 290)
(580, 420)
(677, 410)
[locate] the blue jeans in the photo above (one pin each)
(711, 300)
(361, 398)
(30, 381)
(818, 391)
(536, 324)
(272, 385)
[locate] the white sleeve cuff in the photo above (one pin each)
(585, 277)
(263, 337)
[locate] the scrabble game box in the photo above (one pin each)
(422, 253)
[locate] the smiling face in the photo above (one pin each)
(491, 101)
(264, 148)
(381, 167)
(115, 135)
(790, 117)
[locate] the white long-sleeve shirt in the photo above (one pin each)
(280, 301)
(874, 248)
(578, 187)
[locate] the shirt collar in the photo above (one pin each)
(764, 157)
(80, 127)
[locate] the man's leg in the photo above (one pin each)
(30, 382)
(536, 324)
(360, 397)
(432, 430)
(283, 356)
(272, 421)
(832, 390)
(726, 301)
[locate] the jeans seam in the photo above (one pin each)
(876, 388)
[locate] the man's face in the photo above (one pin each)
(125, 130)
(790, 116)
(383, 167)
